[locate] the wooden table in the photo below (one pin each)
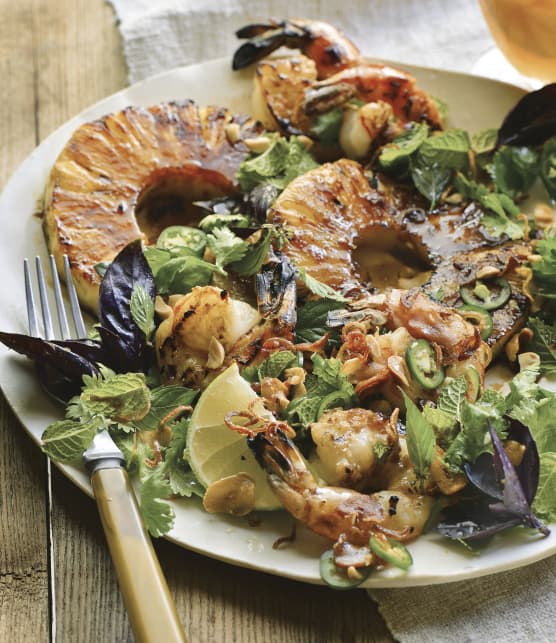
(56, 578)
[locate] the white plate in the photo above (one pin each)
(475, 103)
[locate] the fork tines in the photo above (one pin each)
(32, 314)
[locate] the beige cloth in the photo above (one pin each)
(508, 607)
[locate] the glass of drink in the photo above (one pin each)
(525, 32)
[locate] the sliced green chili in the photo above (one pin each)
(423, 364)
(337, 577)
(478, 317)
(391, 551)
(182, 237)
(489, 296)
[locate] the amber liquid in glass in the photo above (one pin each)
(525, 32)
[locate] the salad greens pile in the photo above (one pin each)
(111, 380)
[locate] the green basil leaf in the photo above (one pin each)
(180, 275)
(311, 321)
(430, 180)
(250, 264)
(326, 127)
(514, 169)
(395, 156)
(142, 309)
(448, 149)
(484, 141)
(544, 344)
(420, 439)
(318, 288)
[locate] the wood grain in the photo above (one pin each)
(57, 58)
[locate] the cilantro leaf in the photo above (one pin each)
(226, 246)
(320, 289)
(420, 439)
(158, 515)
(180, 477)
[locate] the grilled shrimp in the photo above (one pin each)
(140, 162)
(198, 332)
(352, 446)
(341, 224)
(336, 513)
(326, 45)
(330, 71)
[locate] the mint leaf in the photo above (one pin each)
(311, 321)
(430, 179)
(158, 515)
(452, 396)
(544, 271)
(548, 167)
(326, 127)
(123, 398)
(484, 141)
(318, 288)
(142, 309)
(443, 423)
(164, 400)
(226, 246)
(545, 498)
(514, 169)
(65, 441)
(394, 156)
(420, 439)
(282, 161)
(448, 149)
(542, 424)
(544, 344)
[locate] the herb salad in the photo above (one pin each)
(132, 404)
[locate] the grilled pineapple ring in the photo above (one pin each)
(112, 166)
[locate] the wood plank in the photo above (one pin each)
(24, 604)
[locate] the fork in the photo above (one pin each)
(151, 610)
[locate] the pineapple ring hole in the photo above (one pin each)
(167, 197)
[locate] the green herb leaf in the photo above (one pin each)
(282, 161)
(142, 309)
(326, 127)
(452, 396)
(158, 515)
(544, 344)
(320, 289)
(311, 321)
(181, 274)
(484, 141)
(255, 255)
(548, 167)
(394, 156)
(420, 439)
(542, 423)
(448, 149)
(211, 221)
(164, 400)
(514, 169)
(123, 398)
(545, 499)
(226, 246)
(430, 180)
(65, 441)
(544, 271)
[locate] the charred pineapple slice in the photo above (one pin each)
(117, 168)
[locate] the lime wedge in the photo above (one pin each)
(213, 450)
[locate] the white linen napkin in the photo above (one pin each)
(512, 606)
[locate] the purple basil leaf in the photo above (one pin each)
(514, 498)
(120, 356)
(60, 365)
(120, 334)
(533, 119)
(482, 475)
(529, 467)
(473, 520)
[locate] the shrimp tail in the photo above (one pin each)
(276, 292)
